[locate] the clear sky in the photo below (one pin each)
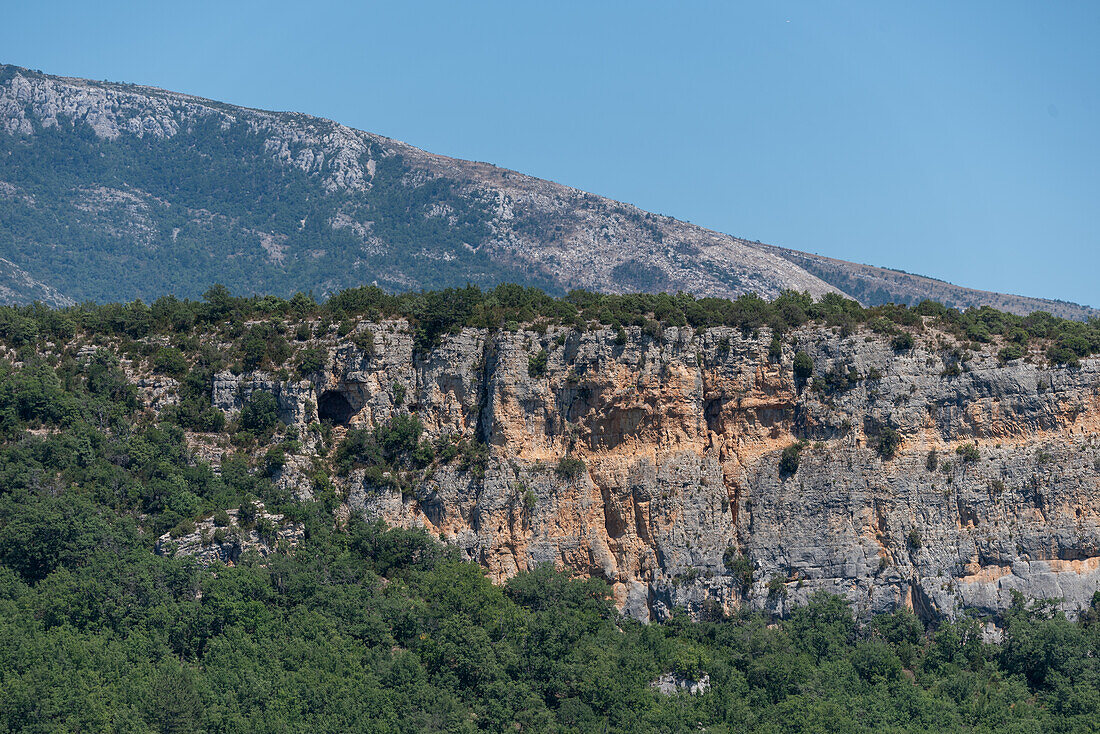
(952, 139)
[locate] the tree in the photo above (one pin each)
(260, 412)
(803, 367)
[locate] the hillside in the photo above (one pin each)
(447, 511)
(112, 191)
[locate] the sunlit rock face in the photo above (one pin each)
(676, 497)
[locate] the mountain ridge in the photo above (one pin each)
(111, 191)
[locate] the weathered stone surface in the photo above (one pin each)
(210, 543)
(681, 436)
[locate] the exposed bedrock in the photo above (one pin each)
(681, 436)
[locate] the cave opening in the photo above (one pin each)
(333, 408)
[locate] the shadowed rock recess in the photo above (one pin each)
(912, 481)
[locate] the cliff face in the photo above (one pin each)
(680, 495)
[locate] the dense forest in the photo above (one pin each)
(364, 628)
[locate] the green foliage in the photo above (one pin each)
(740, 565)
(398, 390)
(902, 342)
(390, 446)
(570, 467)
(788, 461)
(363, 339)
(169, 361)
(536, 364)
(803, 367)
(887, 443)
(969, 453)
(260, 413)
(1011, 352)
(311, 361)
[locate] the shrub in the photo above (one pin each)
(903, 342)
(1011, 352)
(968, 452)
(775, 350)
(570, 467)
(364, 341)
(221, 518)
(788, 462)
(887, 443)
(274, 460)
(260, 413)
(169, 361)
(247, 514)
(803, 366)
(932, 462)
(311, 361)
(913, 539)
(740, 565)
(536, 364)
(777, 587)
(398, 393)
(185, 527)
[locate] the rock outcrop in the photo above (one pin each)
(225, 537)
(924, 478)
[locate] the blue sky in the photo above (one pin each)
(957, 140)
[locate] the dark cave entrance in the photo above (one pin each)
(333, 408)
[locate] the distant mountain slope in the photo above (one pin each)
(18, 287)
(875, 286)
(114, 191)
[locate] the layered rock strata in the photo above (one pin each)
(674, 492)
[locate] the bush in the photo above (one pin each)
(903, 342)
(260, 413)
(777, 587)
(969, 453)
(364, 341)
(536, 364)
(775, 351)
(914, 539)
(1011, 352)
(932, 461)
(570, 468)
(169, 361)
(740, 565)
(788, 462)
(312, 361)
(803, 367)
(274, 460)
(887, 443)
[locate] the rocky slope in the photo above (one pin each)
(673, 490)
(112, 191)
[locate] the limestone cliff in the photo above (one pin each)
(680, 498)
